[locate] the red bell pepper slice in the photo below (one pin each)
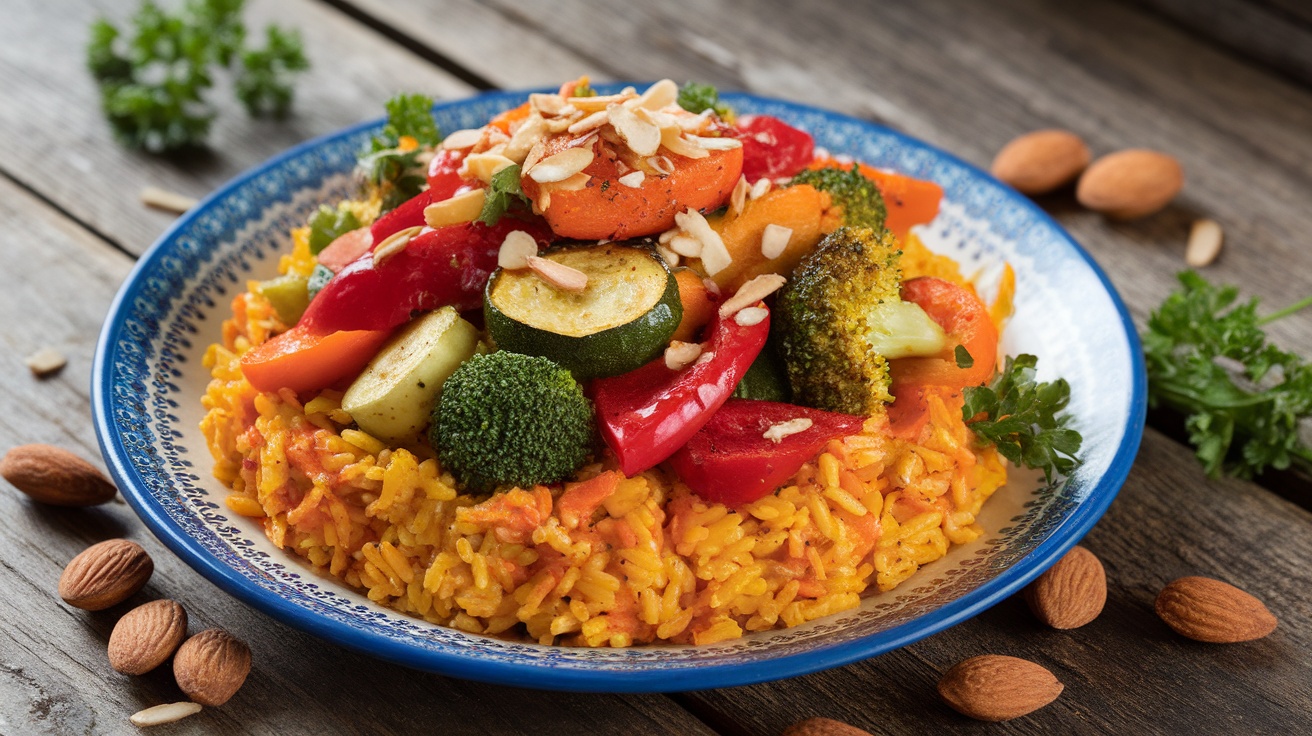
(647, 414)
(731, 462)
(772, 148)
(303, 362)
(439, 267)
(444, 182)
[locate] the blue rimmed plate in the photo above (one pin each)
(149, 378)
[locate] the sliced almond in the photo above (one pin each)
(660, 94)
(562, 123)
(600, 102)
(462, 208)
(674, 141)
(589, 122)
(534, 155)
(160, 714)
(397, 241)
(467, 138)
(640, 136)
(662, 120)
(561, 166)
(558, 274)
(163, 199)
(751, 316)
(760, 188)
(752, 292)
(668, 235)
(738, 197)
(516, 249)
(528, 134)
(632, 179)
(692, 123)
(680, 355)
(670, 257)
(1205, 239)
(483, 166)
(777, 432)
(686, 246)
(716, 143)
(774, 240)
(547, 104)
(715, 257)
(48, 361)
(661, 164)
(572, 184)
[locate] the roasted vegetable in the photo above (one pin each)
(859, 198)
(506, 419)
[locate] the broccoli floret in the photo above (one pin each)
(506, 419)
(863, 205)
(823, 317)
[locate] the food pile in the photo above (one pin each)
(618, 369)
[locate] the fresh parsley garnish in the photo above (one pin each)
(502, 193)
(696, 97)
(1023, 418)
(964, 359)
(1243, 398)
(329, 223)
(153, 82)
(390, 161)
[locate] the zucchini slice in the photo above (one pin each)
(621, 321)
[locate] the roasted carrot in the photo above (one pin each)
(801, 209)
(510, 117)
(698, 305)
(909, 201)
(301, 361)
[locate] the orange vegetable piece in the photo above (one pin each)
(577, 504)
(505, 119)
(964, 317)
(698, 305)
(801, 208)
(909, 201)
(606, 208)
(302, 362)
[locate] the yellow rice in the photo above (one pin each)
(651, 562)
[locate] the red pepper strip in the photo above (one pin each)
(731, 462)
(345, 248)
(772, 148)
(446, 266)
(647, 414)
(444, 182)
(302, 362)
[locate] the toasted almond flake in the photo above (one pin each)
(561, 166)
(161, 714)
(397, 241)
(483, 166)
(558, 274)
(712, 287)
(777, 432)
(706, 357)
(670, 257)
(1205, 238)
(547, 104)
(46, 362)
(562, 123)
(661, 165)
(528, 134)
(751, 316)
(534, 155)
(690, 122)
(715, 257)
(738, 197)
(752, 292)
(667, 235)
(660, 94)
(674, 141)
(601, 102)
(640, 136)
(590, 122)
(760, 188)
(774, 240)
(572, 184)
(467, 138)
(662, 120)
(632, 179)
(716, 143)
(685, 245)
(543, 201)
(464, 207)
(680, 355)
(163, 199)
(492, 137)
(516, 249)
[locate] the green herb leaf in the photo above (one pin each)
(696, 97)
(503, 192)
(1024, 419)
(398, 174)
(264, 83)
(410, 115)
(329, 223)
(1242, 397)
(964, 360)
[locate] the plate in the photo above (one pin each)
(149, 378)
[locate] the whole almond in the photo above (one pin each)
(994, 687)
(105, 574)
(1212, 611)
(211, 666)
(1130, 184)
(146, 636)
(55, 476)
(823, 727)
(1039, 162)
(1071, 593)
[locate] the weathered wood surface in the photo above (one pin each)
(961, 76)
(54, 675)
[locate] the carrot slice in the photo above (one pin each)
(698, 305)
(301, 361)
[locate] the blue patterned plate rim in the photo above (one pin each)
(680, 676)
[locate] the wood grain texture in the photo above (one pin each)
(55, 676)
(1126, 672)
(54, 140)
(1276, 34)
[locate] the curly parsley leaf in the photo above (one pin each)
(1023, 418)
(264, 84)
(503, 192)
(1243, 398)
(329, 223)
(696, 97)
(390, 162)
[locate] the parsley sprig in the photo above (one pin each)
(1024, 419)
(153, 83)
(391, 160)
(697, 97)
(1243, 398)
(503, 193)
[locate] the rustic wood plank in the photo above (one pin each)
(1126, 672)
(54, 676)
(54, 140)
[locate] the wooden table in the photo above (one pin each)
(960, 75)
